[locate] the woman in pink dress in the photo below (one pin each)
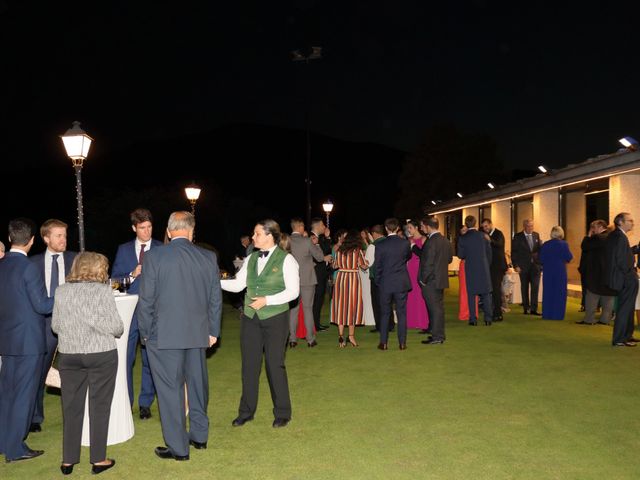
(417, 316)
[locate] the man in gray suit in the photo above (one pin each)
(433, 276)
(304, 251)
(179, 314)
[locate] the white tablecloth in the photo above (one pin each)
(121, 421)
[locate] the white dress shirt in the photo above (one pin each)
(47, 269)
(147, 246)
(289, 271)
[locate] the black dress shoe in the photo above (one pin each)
(164, 452)
(145, 412)
(382, 346)
(293, 344)
(312, 343)
(280, 422)
(432, 341)
(632, 339)
(27, 456)
(403, 346)
(238, 422)
(374, 330)
(473, 324)
(582, 322)
(66, 469)
(322, 327)
(35, 427)
(95, 469)
(198, 445)
(533, 312)
(602, 323)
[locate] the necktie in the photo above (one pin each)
(54, 275)
(530, 241)
(141, 256)
(263, 253)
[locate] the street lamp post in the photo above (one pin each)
(77, 143)
(193, 193)
(327, 207)
(297, 56)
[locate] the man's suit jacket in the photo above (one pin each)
(322, 269)
(126, 261)
(475, 250)
(619, 256)
(435, 257)
(498, 259)
(391, 257)
(305, 252)
(593, 264)
(180, 302)
(521, 255)
(23, 305)
(38, 260)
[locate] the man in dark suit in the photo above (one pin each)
(392, 279)
(53, 264)
(179, 314)
(321, 234)
(23, 303)
(524, 257)
(621, 276)
(474, 248)
(498, 266)
(128, 263)
(433, 276)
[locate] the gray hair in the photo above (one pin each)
(557, 232)
(181, 221)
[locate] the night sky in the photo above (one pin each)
(551, 84)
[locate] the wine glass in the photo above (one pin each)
(115, 284)
(125, 283)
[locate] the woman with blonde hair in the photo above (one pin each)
(87, 322)
(554, 256)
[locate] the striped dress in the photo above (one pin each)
(346, 305)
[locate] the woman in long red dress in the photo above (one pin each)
(346, 307)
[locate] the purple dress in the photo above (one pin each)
(417, 316)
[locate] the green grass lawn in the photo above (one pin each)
(522, 399)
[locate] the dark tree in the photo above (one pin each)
(448, 161)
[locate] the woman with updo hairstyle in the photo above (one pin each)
(554, 256)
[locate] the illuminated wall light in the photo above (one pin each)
(491, 185)
(459, 194)
(542, 168)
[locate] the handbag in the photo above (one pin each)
(53, 375)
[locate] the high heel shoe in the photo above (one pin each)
(352, 340)
(341, 343)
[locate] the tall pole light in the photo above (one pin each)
(327, 207)
(193, 193)
(77, 143)
(297, 56)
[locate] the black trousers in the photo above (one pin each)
(268, 336)
(530, 278)
(97, 372)
(377, 312)
(496, 294)
(434, 298)
(623, 323)
(52, 343)
(318, 298)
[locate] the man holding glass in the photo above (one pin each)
(128, 264)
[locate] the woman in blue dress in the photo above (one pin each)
(554, 256)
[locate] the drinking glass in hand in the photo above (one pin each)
(115, 284)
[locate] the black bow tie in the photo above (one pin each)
(263, 253)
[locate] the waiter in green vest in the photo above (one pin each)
(271, 278)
